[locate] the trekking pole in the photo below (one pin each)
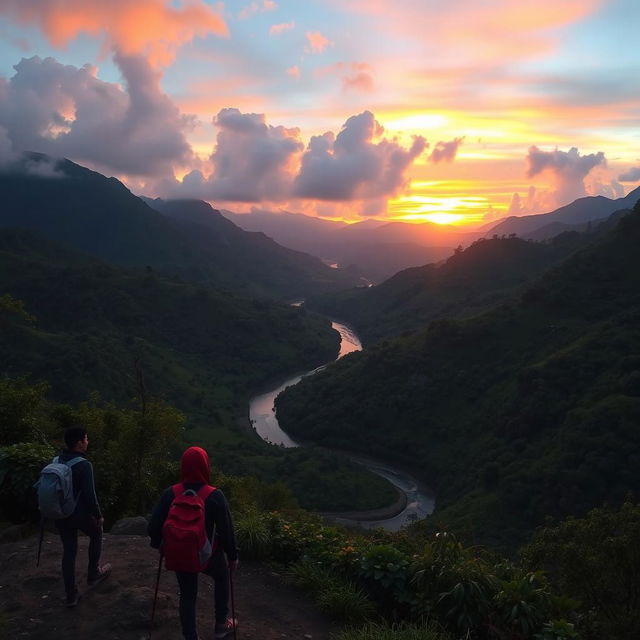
(40, 542)
(233, 606)
(155, 595)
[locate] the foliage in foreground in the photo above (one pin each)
(393, 631)
(466, 591)
(135, 449)
(596, 559)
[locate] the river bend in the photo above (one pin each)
(419, 502)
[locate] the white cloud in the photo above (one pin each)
(64, 110)
(567, 168)
(351, 166)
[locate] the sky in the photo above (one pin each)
(460, 112)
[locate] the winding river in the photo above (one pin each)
(419, 502)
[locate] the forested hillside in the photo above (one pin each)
(470, 281)
(83, 326)
(526, 411)
(85, 210)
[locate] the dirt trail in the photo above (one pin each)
(31, 599)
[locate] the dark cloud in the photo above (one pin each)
(7, 155)
(515, 208)
(445, 150)
(350, 166)
(568, 169)
(252, 161)
(631, 175)
(63, 110)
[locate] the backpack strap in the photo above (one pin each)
(69, 463)
(205, 491)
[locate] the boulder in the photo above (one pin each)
(136, 526)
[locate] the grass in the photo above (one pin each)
(375, 631)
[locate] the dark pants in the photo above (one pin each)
(218, 569)
(68, 529)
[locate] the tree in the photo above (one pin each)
(596, 560)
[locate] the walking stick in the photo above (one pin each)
(233, 606)
(40, 542)
(155, 595)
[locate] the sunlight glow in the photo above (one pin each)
(439, 209)
(415, 122)
(438, 218)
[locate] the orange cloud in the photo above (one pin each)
(294, 71)
(148, 27)
(317, 42)
(278, 29)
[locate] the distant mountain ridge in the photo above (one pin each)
(471, 280)
(376, 249)
(100, 216)
(580, 211)
(379, 249)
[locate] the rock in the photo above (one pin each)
(136, 526)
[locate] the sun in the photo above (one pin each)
(437, 218)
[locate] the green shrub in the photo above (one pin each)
(310, 575)
(20, 466)
(345, 601)
(335, 595)
(254, 536)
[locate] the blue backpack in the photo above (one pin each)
(55, 489)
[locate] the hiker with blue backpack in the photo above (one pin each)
(193, 528)
(67, 495)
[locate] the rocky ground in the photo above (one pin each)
(32, 607)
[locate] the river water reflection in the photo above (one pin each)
(262, 415)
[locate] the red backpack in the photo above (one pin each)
(185, 542)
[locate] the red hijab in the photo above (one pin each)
(194, 466)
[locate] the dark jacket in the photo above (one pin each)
(83, 483)
(195, 474)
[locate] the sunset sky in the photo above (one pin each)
(411, 109)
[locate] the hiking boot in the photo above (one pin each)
(72, 599)
(223, 629)
(98, 577)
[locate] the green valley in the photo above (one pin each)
(526, 411)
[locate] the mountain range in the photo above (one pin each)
(579, 212)
(472, 280)
(99, 216)
(378, 249)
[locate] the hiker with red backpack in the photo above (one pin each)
(67, 495)
(193, 528)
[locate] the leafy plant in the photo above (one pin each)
(253, 533)
(336, 596)
(557, 630)
(20, 465)
(345, 601)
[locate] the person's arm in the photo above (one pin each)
(158, 516)
(224, 526)
(87, 489)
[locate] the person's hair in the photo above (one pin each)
(73, 435)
